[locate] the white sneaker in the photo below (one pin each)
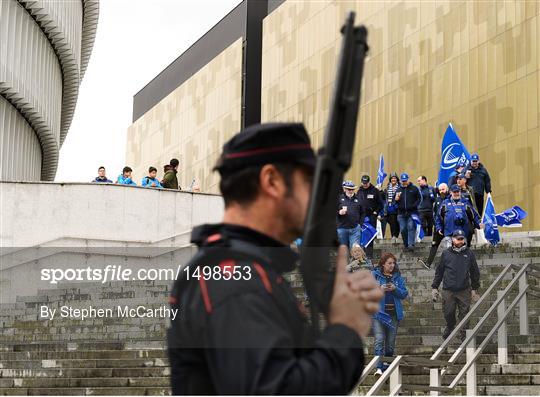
(378, 372)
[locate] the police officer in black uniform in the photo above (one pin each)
(240, 329)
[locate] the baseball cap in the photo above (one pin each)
(267, 143)
(475, 157)
(404, 177)
(458, 233)
(462, 176)
(455, 188)
(365, 178)
(348, 185)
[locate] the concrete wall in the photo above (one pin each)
(40, 213)
(75, 225)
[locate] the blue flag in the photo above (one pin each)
(511, 217)
(491, 230)
(368, 233)
(453, 153)
(380, 172)
(419, 231)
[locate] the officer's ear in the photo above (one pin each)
(272, 182)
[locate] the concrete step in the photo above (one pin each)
(135, 372)
(87, 391)
(85, 345)
(115, 336)
(44, 382)
(84, 363)
(99, 355)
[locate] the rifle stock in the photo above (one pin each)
(333, 160)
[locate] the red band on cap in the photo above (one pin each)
(276, 149)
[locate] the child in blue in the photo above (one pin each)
(151, 180)
(386, 321)
(125, 177)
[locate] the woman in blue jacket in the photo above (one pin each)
(386, 321)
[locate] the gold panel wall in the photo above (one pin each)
(475, 64)
(192, 123)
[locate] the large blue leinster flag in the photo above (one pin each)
(368, 233)
(419, 231)
(491, 229)
(453, 153)
(511, 217)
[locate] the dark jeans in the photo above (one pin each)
(408, 229)
(452, 301)
(390, 219)
(426, 217)
(437, 238)
(469, 237)
(479, 200)
(385, 339)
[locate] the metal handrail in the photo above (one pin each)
(367, 369)
(484, 318)
(386, 374)
(486, 340)
(393, 371)
(467, 317)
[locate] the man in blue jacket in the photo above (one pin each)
(457, 213)
(350, 216)
(407, 198)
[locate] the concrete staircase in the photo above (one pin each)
(126, 356)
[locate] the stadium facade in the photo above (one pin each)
(45, 47)
(473, 63)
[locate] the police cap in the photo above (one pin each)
(267, 143)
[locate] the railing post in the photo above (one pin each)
(395, 381)
(502, 334)
(471, 372)
(434, 380)
(523, 310)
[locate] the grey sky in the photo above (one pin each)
(136, 39)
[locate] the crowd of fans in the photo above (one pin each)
(450, 212)
(169, 180)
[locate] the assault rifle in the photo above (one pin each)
(333, 160)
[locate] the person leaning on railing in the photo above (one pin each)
(386, 321)
(460, 276)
